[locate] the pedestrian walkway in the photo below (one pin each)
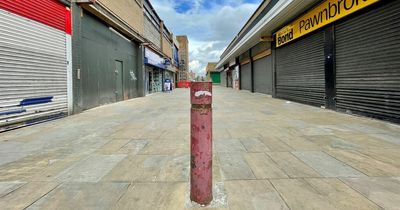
(269, 154)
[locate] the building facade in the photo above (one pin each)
(213, 75)
(77, 55)
(339, 55)
(160, 52)
(184, 58)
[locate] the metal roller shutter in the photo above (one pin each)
(300, 70)
(368, 63)
(263, 75)
(223, 78)
(246, 77)
(33, 70)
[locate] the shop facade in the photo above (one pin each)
(35, 77)
(157, 72)
(341, 55)
(256, 69)
(348, 62)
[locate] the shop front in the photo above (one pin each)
(157, 72)
(343, 55)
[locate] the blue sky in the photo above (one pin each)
(210, 25)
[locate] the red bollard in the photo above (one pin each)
(201, 143)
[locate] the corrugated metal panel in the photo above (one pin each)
(263, 75)
(48, 12)
(368, 63)
(32, 65)
(300, 71)
(246, 77)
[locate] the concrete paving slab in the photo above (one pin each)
(320, 193)
(25, 168)
(72, 195)
(139, 168)
(326, 165)
(391, 138)
(166, 147)
(153, 196)
(275, 144)
(145, 143)
(228, 145)
(91, 169)
(390, 156)
(113, 146)
(366, 164)
(263, 166)
(175, 169)
(333, 143)
(253, 194)
(133, 147)
(8, 187)
(26, 195)
(381, 190)
(291, 165)
(299, 143)
(234, 166)
(366, 141)
(254, 145)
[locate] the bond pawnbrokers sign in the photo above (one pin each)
(327, 12)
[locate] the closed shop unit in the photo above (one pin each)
(246, 77)
(34, 55)
(223, 79)
(263, 75)
(300, 71)
(368, 62)
(109, 64)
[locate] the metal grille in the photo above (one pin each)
(246, 77)
(300, 74)
(368, 63)
(263, 75)
(32, 66)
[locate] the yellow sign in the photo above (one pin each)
(327, 12)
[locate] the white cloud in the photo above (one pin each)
(209, 29)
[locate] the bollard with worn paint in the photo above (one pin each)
(201, 143)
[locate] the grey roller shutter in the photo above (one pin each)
(246, 77)
(33, 66)
(368, 63)
(223, 78)
(300, 71)
(263, 75)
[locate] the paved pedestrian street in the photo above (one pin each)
(268, 154)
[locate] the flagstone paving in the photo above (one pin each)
(268, 154)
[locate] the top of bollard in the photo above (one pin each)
(201, 92)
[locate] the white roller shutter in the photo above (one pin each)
(33, 65)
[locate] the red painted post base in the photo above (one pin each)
(201, 143)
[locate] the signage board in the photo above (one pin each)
(327, 12)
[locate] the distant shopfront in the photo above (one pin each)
(157, 71)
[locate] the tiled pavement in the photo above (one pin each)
(269, 154)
